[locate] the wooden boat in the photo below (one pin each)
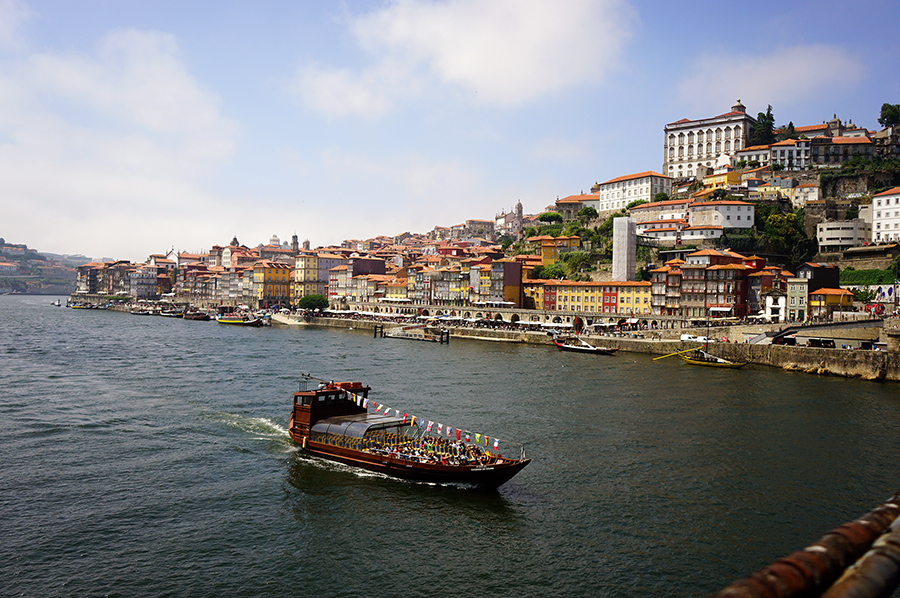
(700, 357)
(580, 346)
(196, 315)
(238, 320)
(331, 420)
(417, 332)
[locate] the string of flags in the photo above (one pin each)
(442, 430)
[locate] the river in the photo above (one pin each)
(149, 456)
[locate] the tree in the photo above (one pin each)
(313, 302)
(763, 132)
(553, 272)
(505, 241)
(550, 217)
(787, 132)
(890, 115)
(636, 202)
(661, 196)
(587, 213)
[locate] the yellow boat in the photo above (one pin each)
(701, 357)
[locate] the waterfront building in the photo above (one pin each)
(272, 283)
(693, 147)
(622, 298)
(143, 283)
(506, 282)
(819, 275)
(797, 299)
(824, 302)
(886, 216)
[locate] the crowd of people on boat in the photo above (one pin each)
(427, 449)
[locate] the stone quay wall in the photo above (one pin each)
(868, 365)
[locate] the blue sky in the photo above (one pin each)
(132, 127)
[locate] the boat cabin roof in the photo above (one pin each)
(355, 426)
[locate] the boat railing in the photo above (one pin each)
(404, 443)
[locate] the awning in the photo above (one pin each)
(720, 309)
(631, 321)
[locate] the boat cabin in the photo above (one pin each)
(322, 400)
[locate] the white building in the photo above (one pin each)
(839, 235)
(886, 216)
(673, 209)
(693, 146)
(615, 194)
(725, 213)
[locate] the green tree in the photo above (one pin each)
(587, 213)
(550, 217)
(661, 196)
(636, 202)
(554, 271)
(890, 115)
(313, 302)
(606, 229)
(505, 241)
(863, 295)
(787, 132)
(763, 132)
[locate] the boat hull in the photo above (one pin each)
(712, 364)
(593, 350)
(482, 476)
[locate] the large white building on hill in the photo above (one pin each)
(693, 146)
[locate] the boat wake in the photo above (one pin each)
(260, 428)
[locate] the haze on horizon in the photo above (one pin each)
(132, 128)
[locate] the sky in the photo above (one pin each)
(131, 127)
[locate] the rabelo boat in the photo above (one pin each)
(331, 420)
(578, 345)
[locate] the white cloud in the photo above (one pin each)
(13, 15)
(787, 76)
(504, 52)
(86, 138)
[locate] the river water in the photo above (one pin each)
(148, 456)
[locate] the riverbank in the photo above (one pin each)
(868, 365)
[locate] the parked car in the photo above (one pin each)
(688, 337)
(703, 339)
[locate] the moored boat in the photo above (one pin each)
(238, 319)
(581, 346)
(332, 420)
(196, 315)
(700, 357)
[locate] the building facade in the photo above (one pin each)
(692, 147)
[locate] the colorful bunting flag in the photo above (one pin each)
(405, 415)
(449, 431)
(365, 403)
(440, 428)
(413, 422)
(496, 444)
(477, 438)
(468, 437)
(430, 424)
(457, 433)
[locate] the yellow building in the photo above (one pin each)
(553, 247)
(306, 275)
(272, 282)
(634, 297)
(722, 180)
(824, 302)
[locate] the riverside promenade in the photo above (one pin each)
(869, 365)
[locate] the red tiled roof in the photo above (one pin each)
(894, 191)
(639, 175)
